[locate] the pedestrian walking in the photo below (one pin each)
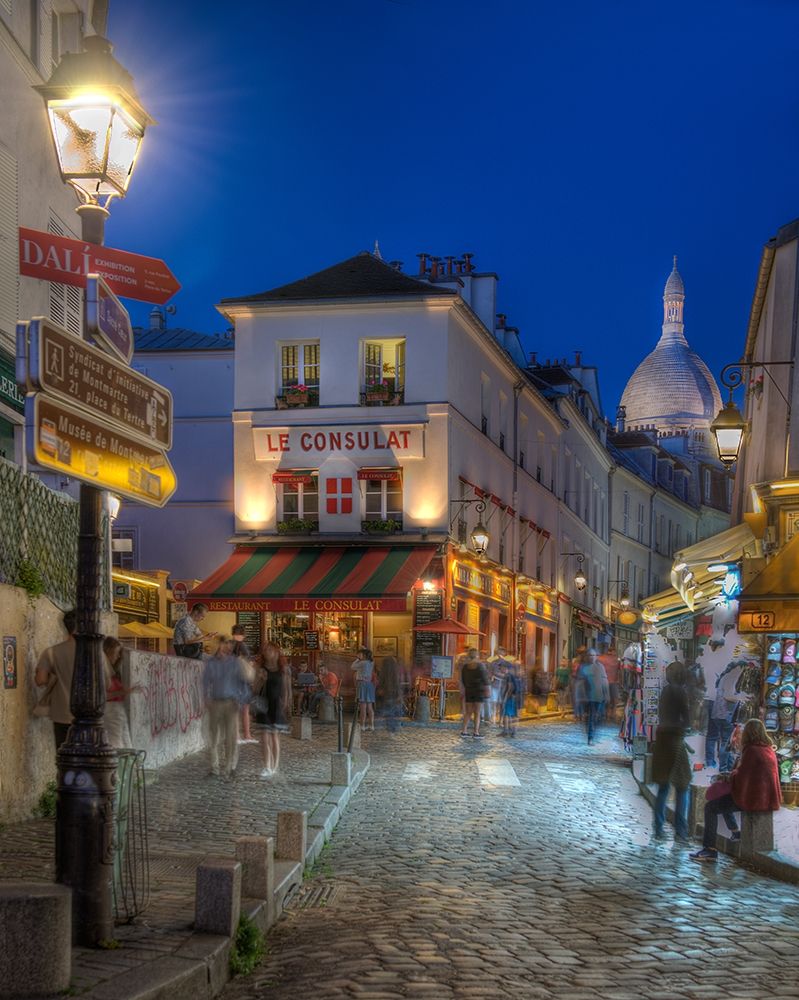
(475, 690)
(390, 694)
(492, 709)
(509, 700)
(718, 751)
(272, 703)
(54, 673)
(189, 637)
(226, 689)
(364, 670)
(753, 786)
(563, 685)
(242, 650)
(115, 719)
(591, 684)
(670, 764)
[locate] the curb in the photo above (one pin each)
(199, 968)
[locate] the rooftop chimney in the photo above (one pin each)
(501, 317)
(449, 261)
(157, 319)
(434, 267)
(578, 359)
(396, 264)
(422, 263)
(468, 266)
(533, 359)
(621, 419)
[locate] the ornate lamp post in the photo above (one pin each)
(624, 592)
(97, 124)
(480, 536)
(729, 426)
(580, 579)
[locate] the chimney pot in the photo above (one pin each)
(422, 262)
(533, 361)
(434, 266)
(501, 317)
(468, 265)
(449, 261)
(578, 359)
(156, 319)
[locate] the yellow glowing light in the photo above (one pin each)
(786, 484)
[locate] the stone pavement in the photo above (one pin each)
(191, 816)
(520, 869)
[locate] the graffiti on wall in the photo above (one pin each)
(173, 691)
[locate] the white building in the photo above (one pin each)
(373, 413)
(33, 36)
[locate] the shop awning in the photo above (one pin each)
(690, 576)
(318, 578)
(771, 601)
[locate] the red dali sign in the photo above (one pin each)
(68, 261)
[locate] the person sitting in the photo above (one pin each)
(754, 786)
(327, 684)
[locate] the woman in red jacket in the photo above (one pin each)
(754, 786)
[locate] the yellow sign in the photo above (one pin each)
(759, 621)
(66, 440)
(627, 617)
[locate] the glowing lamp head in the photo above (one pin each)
(624, 600)
(96, 120)
(728, 429)
(580, 581)
(480, 539)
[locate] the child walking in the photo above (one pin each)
(509, 698)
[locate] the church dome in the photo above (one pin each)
(672, 388)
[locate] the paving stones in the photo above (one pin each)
(450, 887)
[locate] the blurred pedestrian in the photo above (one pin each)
(610, 662)
(754, 786)
(364, 670)
(273, 703)
(115, 719)
(475, 690)
(670, 764)
(509, 700)
(54, 673)
(591, 683)
(226, 690)
(242, 650)
(389, 687)
(563, 685)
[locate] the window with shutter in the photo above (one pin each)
(45, 61)
(9, 249)
(66, 301)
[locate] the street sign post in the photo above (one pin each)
(107, 319)
(69, 262)
(67, 440)
(72, 370)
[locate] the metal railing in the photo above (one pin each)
(131, 847)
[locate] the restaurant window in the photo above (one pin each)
(300, 501)
(383, 499)
(383, 370)
(299, 365)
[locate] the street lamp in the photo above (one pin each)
(480, 537)
(97, 124)
(729, 426)
(624, 592)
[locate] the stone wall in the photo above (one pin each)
(27, 754)
(166, 709)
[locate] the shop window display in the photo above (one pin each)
(781, 708)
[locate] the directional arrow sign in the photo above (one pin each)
(107, 319)
(73, 370)
(66, 440)
(57, 258)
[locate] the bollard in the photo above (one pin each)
(351, 741)
(217, 902)
(36, 930)
(340, 769)
(257, 857)
(327, 709)
(422, 713)
(340, 713)
(292, 836)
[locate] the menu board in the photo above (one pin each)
(250, 622)
(311, 640)
(428, 607)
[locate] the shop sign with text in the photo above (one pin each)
(299, 444)
(303, 604)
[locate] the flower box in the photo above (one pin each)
(381, 527)
(296, 526)
(377, 395)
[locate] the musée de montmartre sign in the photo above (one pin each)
(273, 444)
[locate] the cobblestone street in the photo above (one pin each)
(520, 868)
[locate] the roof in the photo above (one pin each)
(179, 340)
(361, 276)
(672, 384)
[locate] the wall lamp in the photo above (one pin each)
(480, 537)
(580, 579)
(624, 592)
(729, 426)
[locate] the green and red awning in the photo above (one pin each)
(315, 578)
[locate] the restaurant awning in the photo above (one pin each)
(315, 578)
(771, 601)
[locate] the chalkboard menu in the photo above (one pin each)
(428, 607)
(311, 640)
(250, 622)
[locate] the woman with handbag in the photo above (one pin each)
(753, 786)
(272, 703)
(475, 689)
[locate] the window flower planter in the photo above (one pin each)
(297, 526)
(289, 400)
(381, 527)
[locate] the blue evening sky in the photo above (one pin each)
(573, 147)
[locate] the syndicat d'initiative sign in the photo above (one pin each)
(70, 369)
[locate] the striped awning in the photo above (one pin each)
(315, 578)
